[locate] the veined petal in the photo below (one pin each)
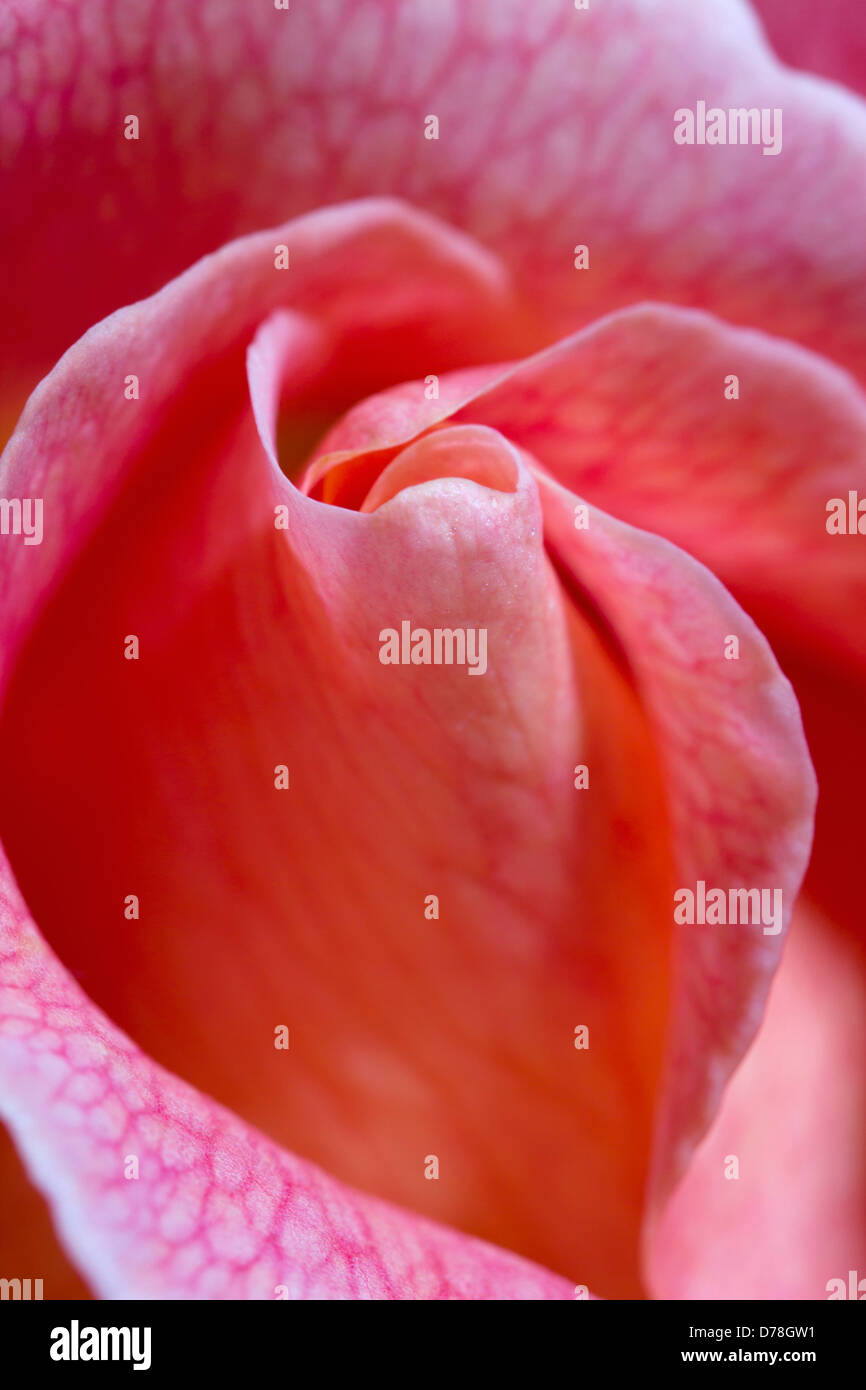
(572, 143)
(160, 1193)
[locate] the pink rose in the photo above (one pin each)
(402, 799)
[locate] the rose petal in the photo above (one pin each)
(632, 414)
(160, 1193)
(793, 1215)
(740, 785)
(571, 144)
(741, 790)
(370, 286)
(307, 907)
(260, 647)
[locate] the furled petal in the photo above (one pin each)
(829, 38)
(635, 413)
(774, 1202)
(370, 287)
(740, 786)
(160, 1193)
(555, 130)
(729, 731)
(305, 907)
(255, 650)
